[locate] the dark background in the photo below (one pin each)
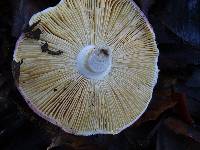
(172, 120)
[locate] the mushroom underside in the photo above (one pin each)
(92, 68)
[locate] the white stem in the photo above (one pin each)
(99, 60)
(94, 62)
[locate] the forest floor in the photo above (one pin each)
(172, 120)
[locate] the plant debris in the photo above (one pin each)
(32, 33)
(16, 70)
(45, 48)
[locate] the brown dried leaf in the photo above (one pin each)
(181, 107)
(163, 102)
(156, 111)
(183, 129)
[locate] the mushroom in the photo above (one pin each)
(93, 68)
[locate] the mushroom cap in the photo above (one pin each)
(55, 88)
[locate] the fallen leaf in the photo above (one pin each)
(181, 128)
(174, 134)
(182, 17)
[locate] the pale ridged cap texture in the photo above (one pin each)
(54, 87)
